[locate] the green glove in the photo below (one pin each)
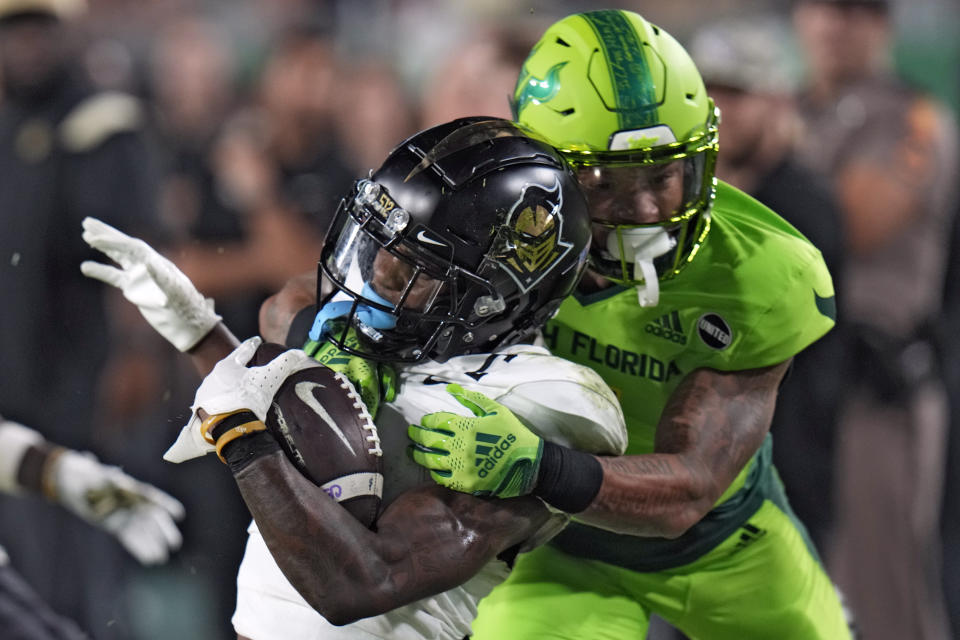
(491, 454)
(374, 381)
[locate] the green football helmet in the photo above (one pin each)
(622, 100)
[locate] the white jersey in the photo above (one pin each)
(562, 401)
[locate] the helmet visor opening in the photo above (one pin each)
(647, 213)
(383, 277)
(656, 194)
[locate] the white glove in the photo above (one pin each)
(233, 386)
(164, 295)
(139, 515)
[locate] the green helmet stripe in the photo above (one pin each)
(636, 103)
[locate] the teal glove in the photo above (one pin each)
(374, 381)
(491, 454)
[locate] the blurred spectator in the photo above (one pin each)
(950, 524)
(891, 154)
(67, 151)
(194, 93)
(278, 167)
(746, 67)
(373, 113)
(191, 82)
(479, 76)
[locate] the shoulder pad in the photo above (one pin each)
(98, 118)
(562, 401)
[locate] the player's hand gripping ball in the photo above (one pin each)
(324, 428)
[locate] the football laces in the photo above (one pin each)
(373, 436)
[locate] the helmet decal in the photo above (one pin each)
(531, 88)
(534, 224)
(642, 138)
(635, 97)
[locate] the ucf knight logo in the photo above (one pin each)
(535, 224)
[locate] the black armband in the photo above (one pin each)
(568, 479)
(239, 453)
(30, 472)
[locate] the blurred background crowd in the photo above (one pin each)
(225, 131)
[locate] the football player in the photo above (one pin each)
(457, 249)
(139, 515)
(696, 299)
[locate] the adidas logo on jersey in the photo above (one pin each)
(749, 535)
(490, 450)
(668, 326)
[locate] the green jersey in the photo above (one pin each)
(755, 294)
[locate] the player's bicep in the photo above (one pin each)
(442, 538)
(279, 310)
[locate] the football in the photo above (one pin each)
(326, 431)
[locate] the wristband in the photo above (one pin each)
(241, 452)
(568, 479)
(48, 473)
(17, 440)
(222, 429)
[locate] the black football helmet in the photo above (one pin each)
(468, 237)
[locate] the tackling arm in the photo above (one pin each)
(427, 541)
(714, 422)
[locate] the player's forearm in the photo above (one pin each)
(650, 495)
(343, 570)
(427, 541)
(212, 348)
(710, 428)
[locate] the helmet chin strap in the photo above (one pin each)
(643, 244)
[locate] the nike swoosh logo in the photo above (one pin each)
(826, 306)
(304, 391)
(422, 237)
